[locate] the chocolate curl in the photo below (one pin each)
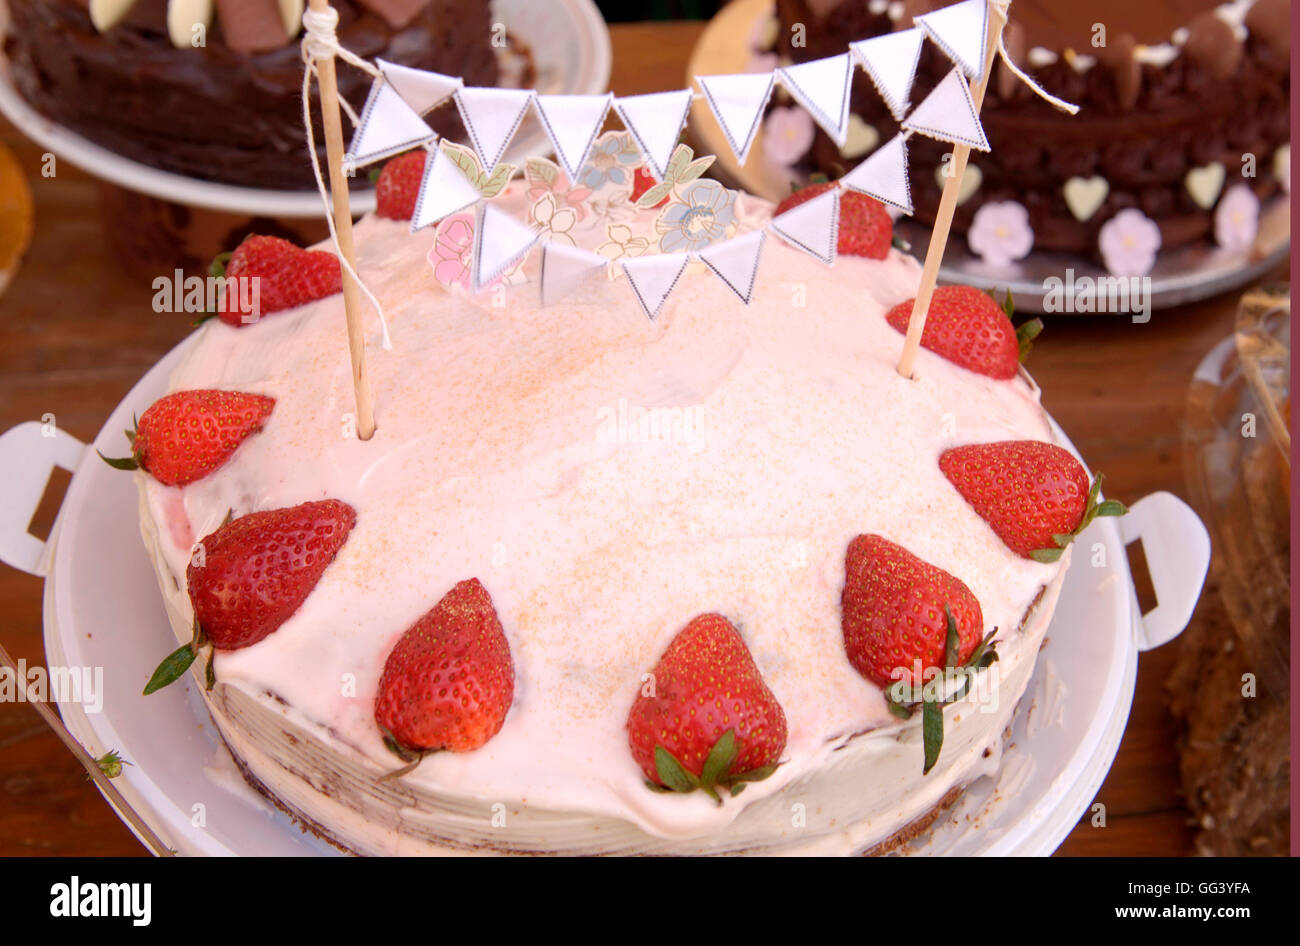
(251, 26)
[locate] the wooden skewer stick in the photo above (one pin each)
(947, 206)
(329, 107)
(88, 762)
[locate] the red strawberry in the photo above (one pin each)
(286, 276)
(893, 611)
(1034, 495)
(708, 719)
(254, 572)
(865, 227)
(449, 681)
(399, 185)
(642, 181)
(968, 328)
(185, 436)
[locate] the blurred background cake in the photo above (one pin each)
(212, 90)
(1173, 95)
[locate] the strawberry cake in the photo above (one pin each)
(717, 582)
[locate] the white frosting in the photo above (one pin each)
(499, 455)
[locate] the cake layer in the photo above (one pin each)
(211, 112)
(607, 478)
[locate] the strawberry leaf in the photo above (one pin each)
(209, 674)
(170, 670)
(217, 268)
(1046, 556)
(753, 775)
(1026, 334)
(898, 243)
(110, 763)
(1112, 507)
(931, 733)
(671, 773)
(720, 758)
(121, 463)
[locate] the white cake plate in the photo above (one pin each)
(1181, 275)
(102, 608)
(571, 50)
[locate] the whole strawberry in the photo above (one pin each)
(286, 276)
(449, 681)
(398, 186)
(186, 435)
(968, 328)
(254, 572)
(893, 612)
(1034, 495)
(705, 719)
(865, 226)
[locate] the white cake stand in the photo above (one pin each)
(102, 609)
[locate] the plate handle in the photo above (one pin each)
(1177, 548)
(28, 454)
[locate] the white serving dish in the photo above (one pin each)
(102, 608)
(569, 42)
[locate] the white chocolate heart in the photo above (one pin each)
(1205, 183)
(183, 16)
(105, 14)
(861, 138)
(1083, 195)
(291, 14)
(970, 181)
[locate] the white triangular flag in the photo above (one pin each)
(491, 118)
(444, 189)
(948, 114)
(735, 262)
(890, 61)
(822, 87)
(653, 278)
(499, 241)
(655, 121)
(421, 89)
(883, 175)
(737, 103)
(959, 31)
(813, 226)
(388, 126)
(572, 122)
(564, 268)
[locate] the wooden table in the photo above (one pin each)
(76, 333)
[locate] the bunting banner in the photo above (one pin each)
(479, 246)
(738, 103)
(419, 88)
(959, 31)
(883, 175)
(655, 121)
(891, 60)
(949, 114)
(444, 190)
(821, 86)
(387, 126)
(491, 117)
(572, 122)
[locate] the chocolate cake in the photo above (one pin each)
(229, 110)
(1178, 88)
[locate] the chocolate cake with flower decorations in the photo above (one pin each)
(212, 90)
(716, 581)
(1183, 128)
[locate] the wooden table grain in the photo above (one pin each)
(76, 333)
